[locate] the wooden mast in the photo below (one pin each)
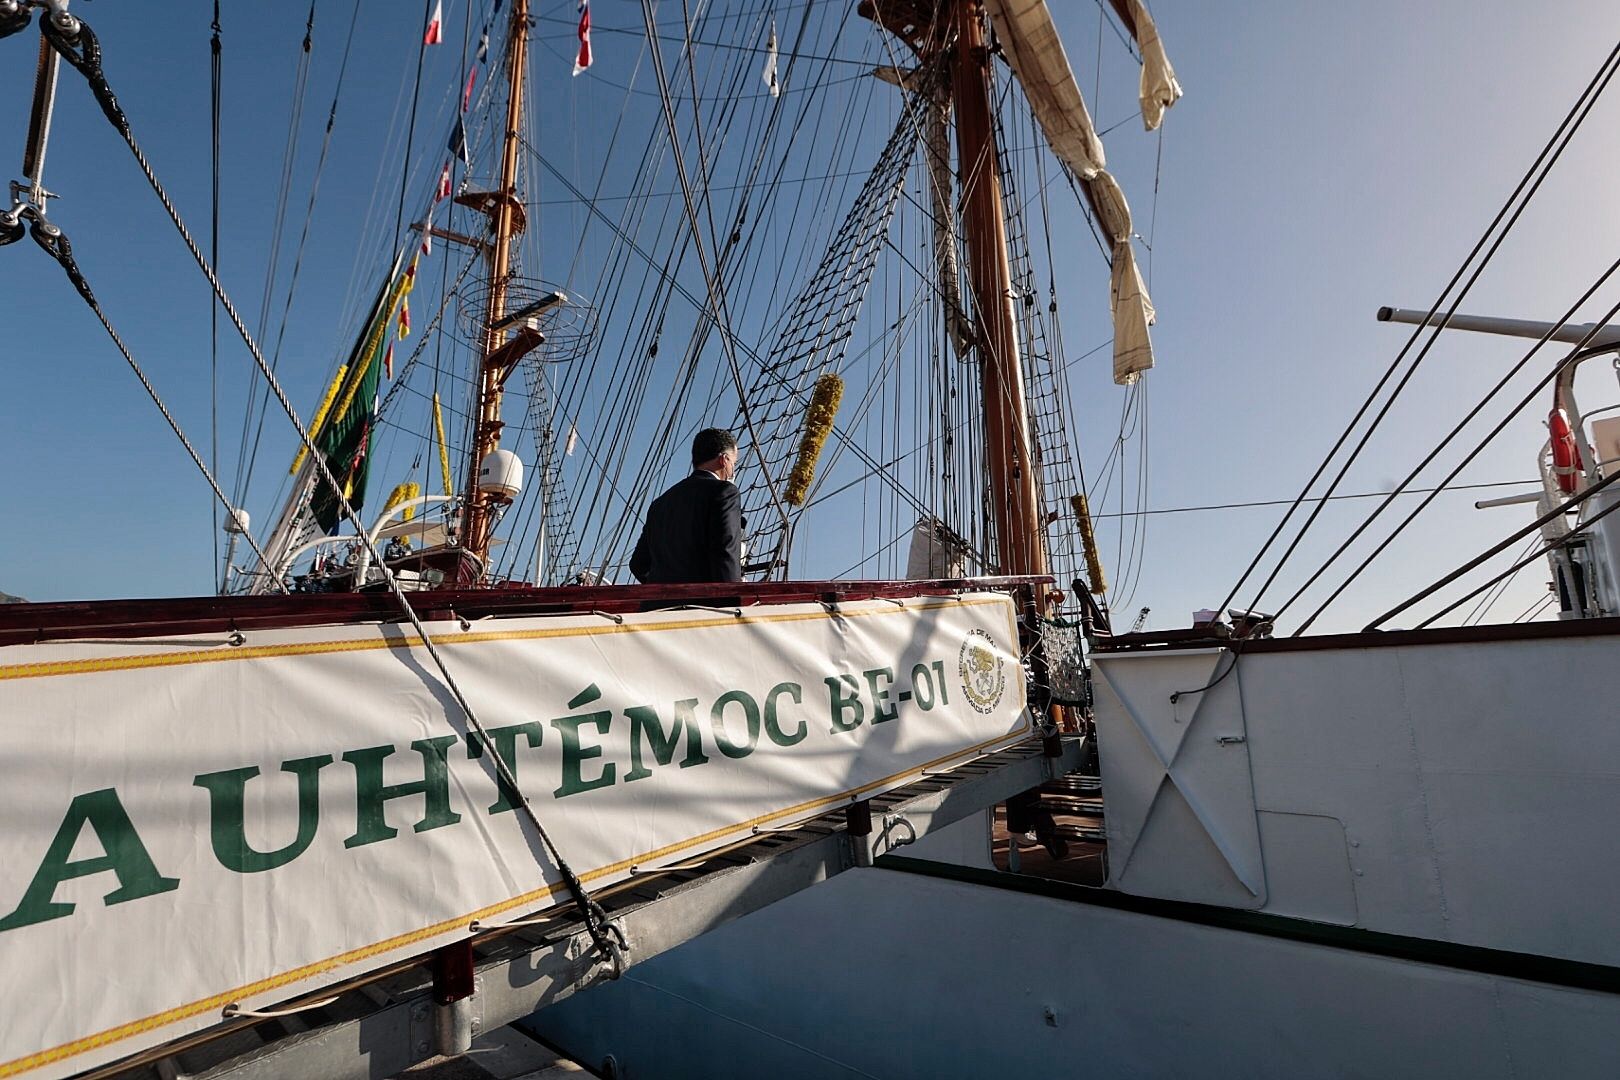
(506, 221)
(1014, 505)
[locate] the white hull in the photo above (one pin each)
(1360, 805)
(909, 976)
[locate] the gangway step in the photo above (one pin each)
(1071, 804)
(1075, 831)
(1075, 785)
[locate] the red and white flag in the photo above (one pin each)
(583, 61)
(444, 184)
(435, 26)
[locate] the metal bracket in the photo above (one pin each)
(858, 823)
(431, 1023)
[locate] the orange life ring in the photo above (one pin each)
(1566, 459)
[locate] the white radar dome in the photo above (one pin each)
(500, 474)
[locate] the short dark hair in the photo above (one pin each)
(710, 443)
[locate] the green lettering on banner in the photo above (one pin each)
(944, 694)
(125, 856)
(879, 712)
(574, 754)
(717, 720)
(505, 739)
(841, 704)
(920, 674)
(645, 727)
(773, 727)
(227, 809)
(371, 794)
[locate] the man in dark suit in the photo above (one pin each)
(694, 530)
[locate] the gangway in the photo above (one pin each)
(462, 980)
(382, 1025)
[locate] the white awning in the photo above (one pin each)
(422, 533)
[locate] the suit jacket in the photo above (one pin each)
(693, 533)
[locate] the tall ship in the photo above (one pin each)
(920, 795)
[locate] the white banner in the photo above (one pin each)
(189, 824)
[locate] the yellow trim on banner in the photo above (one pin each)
(309, 648)
(444, 926)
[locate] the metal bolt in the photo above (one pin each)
(422, 1048)
(1050, 1015)
(419, 1012)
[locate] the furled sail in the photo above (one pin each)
(1127, 295)
(1160, 90)
(1033, 48)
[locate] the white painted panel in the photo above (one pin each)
(1308, 872)
(1180, 803)
(1478, 784)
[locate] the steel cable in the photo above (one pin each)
(1583, 102)
(1572, 357)
(607, 938)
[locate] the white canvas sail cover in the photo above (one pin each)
(1127, 295)
(936, 552)
(1032, 46)
(1160, 90)
(1030, 41)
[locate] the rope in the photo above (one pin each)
(820, 322)
(410, 127)
(1574, 355)
(1490, 600)
(1532, 557)
(54, 242)
(1330, 498)
(608, 938)
(215, 83)
(717, 300)
(1529, 180)
(1555, 513)
(245, 471)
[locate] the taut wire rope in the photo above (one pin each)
(83, 52)
(1605, 71)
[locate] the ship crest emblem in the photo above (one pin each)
(984, 678)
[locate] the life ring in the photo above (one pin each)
(1566, 459)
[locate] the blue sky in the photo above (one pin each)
(1327, 159)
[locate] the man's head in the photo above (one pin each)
(715, 449)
